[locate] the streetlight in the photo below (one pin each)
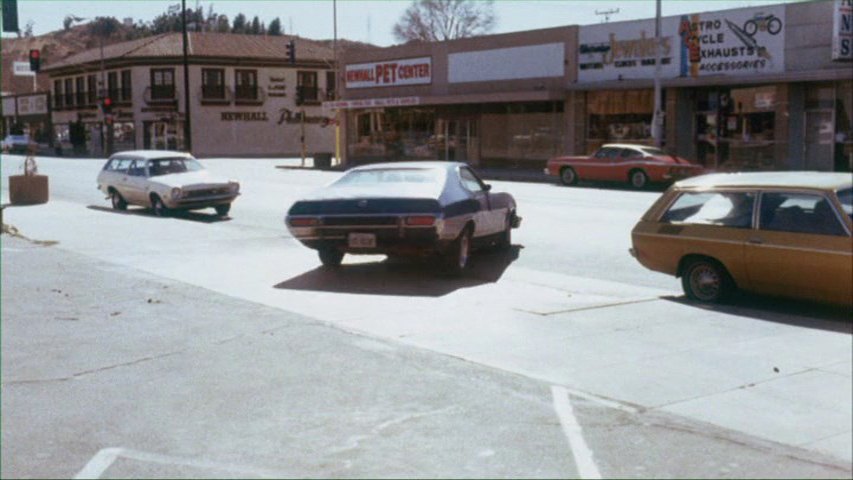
(187, 127)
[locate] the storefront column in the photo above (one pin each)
(675, 127)
(795, 129)
(684, 128)
(576, 114)
(782, 128)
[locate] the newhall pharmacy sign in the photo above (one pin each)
(390, 73)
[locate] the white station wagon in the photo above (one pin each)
(163, 181)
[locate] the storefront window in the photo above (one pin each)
(124, 136)
(619, 116)
(736, 128)
(395, 134)
(522, 137)
(163, 135)
(514, 135)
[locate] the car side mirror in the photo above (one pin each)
(487, 187)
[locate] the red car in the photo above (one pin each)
(638, 165)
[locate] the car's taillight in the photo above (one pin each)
(420, 220)
(304, 221)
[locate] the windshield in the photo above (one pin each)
(392, 175)
(167, 166)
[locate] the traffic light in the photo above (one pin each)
(107, 105)
(10, 16)
(35, 60)
(291, 52)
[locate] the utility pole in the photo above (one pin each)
(187, 125)
(657, 113)
(302, 133)
(107, 135)
(337, 81)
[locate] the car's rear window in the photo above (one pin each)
(653, 151)
(727, 209)
(392, 175)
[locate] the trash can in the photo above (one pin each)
(322, 160)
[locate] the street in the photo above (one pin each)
(196, 346)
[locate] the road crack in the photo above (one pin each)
(14, 232)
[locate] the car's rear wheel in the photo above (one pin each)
(158, 207)
(222, 210)
(568, 176)
(505, 239)
(638, 179)
(705, 280)
(457, 258)
(330, 257)
(118, 202)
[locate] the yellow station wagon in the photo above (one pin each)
(774, 233)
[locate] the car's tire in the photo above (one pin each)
(638, 179)
(330, 257)
(504, 241)
(118, 202)
(158, 207)
(568, 176)
(457, 258)
(706, 280)
(222, 210)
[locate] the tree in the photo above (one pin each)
(439, 20)
(167, 22)
(275, 27)
(222, 24)
(239, 24)
(255, 29)
(28, 29)
(104, 27)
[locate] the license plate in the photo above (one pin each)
(362, 240)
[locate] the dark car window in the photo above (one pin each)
(727, 209)
(166, 166)
(607, 152)
(846, 198)
(629, 153)
(136, 168)
(799, 213)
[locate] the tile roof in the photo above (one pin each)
(256, 47)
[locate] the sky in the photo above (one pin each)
(366, 21)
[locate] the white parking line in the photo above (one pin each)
(99, 463)
(572, 429)
(106, 457)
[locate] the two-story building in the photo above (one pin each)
(246, 96)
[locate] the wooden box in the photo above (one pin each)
(27, 189)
